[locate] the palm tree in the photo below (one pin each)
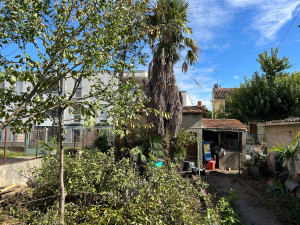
(167, 35)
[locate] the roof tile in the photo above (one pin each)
(195, 109)
(221, 93)
(228, 124)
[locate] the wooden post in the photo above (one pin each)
(86, 139)
(37, 142)
(25, 143)
(5, 144)
(74, 139)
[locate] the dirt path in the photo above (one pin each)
(250, 206)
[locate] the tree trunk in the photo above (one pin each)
(167, 148)
(60, 139)
(62, 191)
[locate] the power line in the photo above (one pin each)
(288, 29)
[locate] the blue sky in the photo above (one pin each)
(231, 34)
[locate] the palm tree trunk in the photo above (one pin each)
(167, 149)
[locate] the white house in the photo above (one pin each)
(73, 122)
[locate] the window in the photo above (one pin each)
(53, 113)
(76, 135)
(78, 93)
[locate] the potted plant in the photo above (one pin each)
(288, 154)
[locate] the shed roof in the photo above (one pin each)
(195, 109)
(225, 124)
(221, 93)
(291, 120)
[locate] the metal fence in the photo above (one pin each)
(255, 143)
(31, 144)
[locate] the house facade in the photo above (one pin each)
(219, 96)
(73, 122)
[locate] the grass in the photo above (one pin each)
(11, 154)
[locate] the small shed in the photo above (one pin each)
(282, 132)
(229, 135)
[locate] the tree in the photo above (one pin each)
(167, 29)
(272, 95)
(271, 65)
(45, 42)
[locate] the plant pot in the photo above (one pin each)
(291, 185)
(278, 166)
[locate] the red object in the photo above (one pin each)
(211, 164)
(199, 103)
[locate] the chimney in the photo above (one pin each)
(216, 86)
(199, 103)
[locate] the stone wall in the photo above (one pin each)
(17, 173)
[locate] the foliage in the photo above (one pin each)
(220, 113)
(276, 187)
(58, 40)
(270, 96)
(208, 115)
(289, 154)
(179, 144)
(271, 65)
(104, 191)
(223, 214)
(167, 30)
(102, 142)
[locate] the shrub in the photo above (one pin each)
(102, 190)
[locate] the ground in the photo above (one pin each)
(254, 205)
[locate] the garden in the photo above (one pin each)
(103, 188)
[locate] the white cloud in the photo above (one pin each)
(236, 77)
(206, 21)
(270, 16)
(203, 76)
(212, 18)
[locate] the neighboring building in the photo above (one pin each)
(229, 135)
(282, 132)
(192, 121)
(219, 96)
(186, 100)
(73, 122)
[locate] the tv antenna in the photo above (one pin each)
(217, 71)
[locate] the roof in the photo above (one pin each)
(291, 120)
(225, 124)
(221, 93)
(195, 109)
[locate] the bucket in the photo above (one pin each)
(195, 171)
(202, 172)
(291, 185)
(187, 165)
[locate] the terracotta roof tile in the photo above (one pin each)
(228, 124)
(221, 93)
(195, 109)
(288, 120)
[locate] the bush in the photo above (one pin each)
(102, 190)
